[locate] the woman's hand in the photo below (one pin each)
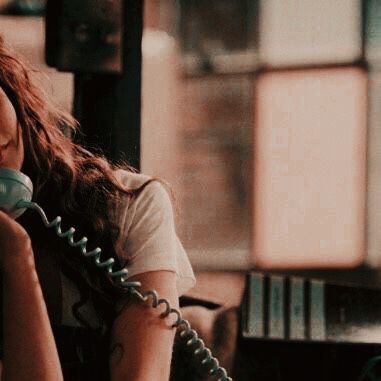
(30, 352)
(15, 242)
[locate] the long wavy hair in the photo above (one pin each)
(68, 180)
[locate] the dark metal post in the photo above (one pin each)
(107, 101)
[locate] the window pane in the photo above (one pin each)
(218, 36)
(296, 32)
(310, 168)
(195, 135)
(372, 31)
(374, 171)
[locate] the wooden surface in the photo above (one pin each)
(225, 288)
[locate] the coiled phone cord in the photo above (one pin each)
(204, 354)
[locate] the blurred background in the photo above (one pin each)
(264, 118)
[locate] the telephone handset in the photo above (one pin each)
(16, 190)
(14, 186)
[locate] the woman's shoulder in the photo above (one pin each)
(153, 189)
(131, 180)
(152, 198)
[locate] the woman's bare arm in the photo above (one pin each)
(30, 352)
(142, 342)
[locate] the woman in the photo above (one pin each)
(59, 310)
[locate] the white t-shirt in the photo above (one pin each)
(147, 237)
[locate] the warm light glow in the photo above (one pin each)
(310, 168)
(309, 32)
(374, 171)
(160, 95)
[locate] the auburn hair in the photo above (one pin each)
(68, 180)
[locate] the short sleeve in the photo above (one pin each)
(148, 236)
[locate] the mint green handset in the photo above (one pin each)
(16, 190)
(14, 186)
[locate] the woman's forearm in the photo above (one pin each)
(142, 342)
(30, 352)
